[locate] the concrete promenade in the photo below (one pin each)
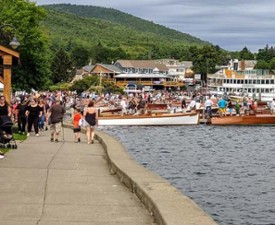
(65, 183)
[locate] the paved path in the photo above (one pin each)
(65, 183)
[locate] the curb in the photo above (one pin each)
(164, 202)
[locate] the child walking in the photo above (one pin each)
(77, 117)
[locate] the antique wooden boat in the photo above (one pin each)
(158, 119)
(258, 119)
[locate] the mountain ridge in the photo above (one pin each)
(114, 28)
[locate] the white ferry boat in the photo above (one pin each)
(256, 84)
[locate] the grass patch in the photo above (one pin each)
(19, 137)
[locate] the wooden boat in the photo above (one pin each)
(258, 119)
(158, 119)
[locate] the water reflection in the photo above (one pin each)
(228, 171)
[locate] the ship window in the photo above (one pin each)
(249, 90)
(241, 81)
(257, 90)
(271, 81)
(254, 81)
(258, 81)
(238, 81)
(262, 81)
(234, 81)
(250, 81)
(262, 90)
(267, 81)
(245, 81)
(267, 90)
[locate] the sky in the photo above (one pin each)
(231, 24)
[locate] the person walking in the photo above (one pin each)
(22, 119)
(76, 119)
(41, 121)
(91, 119)
(54, 118)
(33, 113)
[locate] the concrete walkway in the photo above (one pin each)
(65, 183)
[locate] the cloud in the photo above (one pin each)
(230, 24)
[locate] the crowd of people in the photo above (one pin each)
(37, 112)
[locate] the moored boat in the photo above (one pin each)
(258, 119)
(150, 120)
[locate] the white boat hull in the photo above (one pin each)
(160, 120)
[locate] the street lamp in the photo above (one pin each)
(14, 43)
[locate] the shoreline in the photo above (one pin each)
(163, 201)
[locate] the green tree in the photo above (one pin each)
(33, 71)
(262, 64)
(206, 59)
(245, 54)
(266, 54)
(80, 56)
(100, 54)
(61, 67)
(272, 64)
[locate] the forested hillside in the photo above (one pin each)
(138, 38)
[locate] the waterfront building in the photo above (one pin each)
(239, 79)
(151, 74)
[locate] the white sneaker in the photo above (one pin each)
(28, 134)
(2, 156)
(37, 135)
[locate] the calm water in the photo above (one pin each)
(228, 171)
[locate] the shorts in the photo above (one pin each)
(222, 110)
(76, 130)
(56, 127)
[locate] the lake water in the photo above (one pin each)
(228, 171)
